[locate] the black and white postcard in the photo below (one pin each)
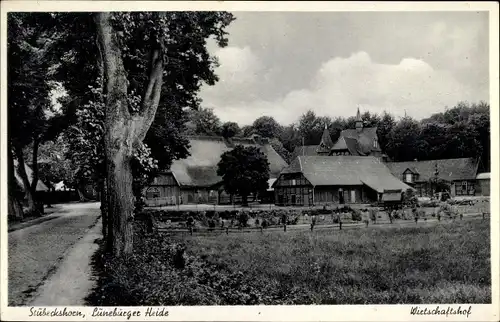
(249, 161)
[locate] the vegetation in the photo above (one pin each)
(446, 263)
(244, 170)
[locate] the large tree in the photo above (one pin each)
(149, 68)
(244, 170)
(137, 46)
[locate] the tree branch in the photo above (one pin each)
(116, 82)
(152, 94)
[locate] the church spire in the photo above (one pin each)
(326, 142)
(359, 121)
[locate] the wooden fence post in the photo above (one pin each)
(312, 226)
(227, 230)
(191, 231)
(340, 225)
(261, 230)
(284, 227)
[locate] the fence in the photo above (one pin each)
(298, 228)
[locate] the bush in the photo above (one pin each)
(356, 215)
(243, 219)
(409, 199)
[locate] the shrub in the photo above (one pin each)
(356, 215)
(409, 199)
(243, 219)
(257, 222)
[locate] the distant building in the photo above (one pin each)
(317, 180)
(459, 174)
(483, 184)
(195, 180)
(360, 141)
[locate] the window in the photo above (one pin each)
(463, 188)
(294, 182)
(375, 143)
(152, 193)
(408, 177)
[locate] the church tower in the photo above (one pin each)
(359, 122)
(326, 142)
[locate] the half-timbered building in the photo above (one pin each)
(195, 180)
(317, 180)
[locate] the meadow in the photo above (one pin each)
(434, 263)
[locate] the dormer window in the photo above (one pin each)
(409, 177)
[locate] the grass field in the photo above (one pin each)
(447, 262)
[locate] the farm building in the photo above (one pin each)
(316, 180)
(360, 141)
(458, 175)
(195, 180)
(483, 184)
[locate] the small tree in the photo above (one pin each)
(244, 170)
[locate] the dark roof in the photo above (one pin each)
(346, 170)
(349, 144)
(449, 169)
(364, 139)
(326, 142)
(200, 168)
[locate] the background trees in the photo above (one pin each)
(244, 170)
(32, 116)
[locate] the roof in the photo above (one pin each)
(449, 169)
(484, 175)
(345, 171)
(391, 196)
(200, 168)
(326, 142)
(363, 138)
(349, 144)
(40, 186)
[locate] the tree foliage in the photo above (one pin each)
(244, 170)
(230, 129)
(266, 127)
(203, 121)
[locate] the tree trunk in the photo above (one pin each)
(104, 210)
(33, 208)
(15, 210)
(121, 199)
(81, 196)
(124, 131)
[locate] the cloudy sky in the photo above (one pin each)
(282, 64)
